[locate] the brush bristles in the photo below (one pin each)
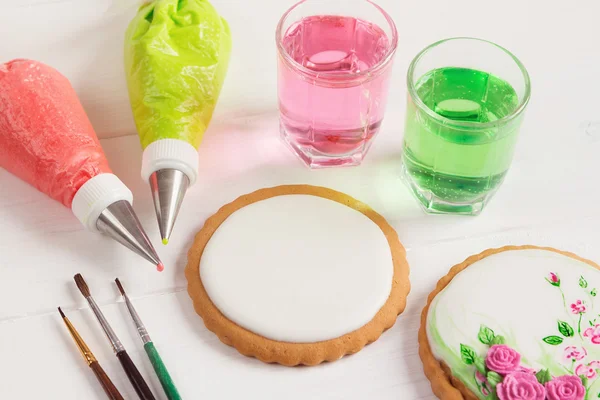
(62, 314)
(118, 282)
(83, 287)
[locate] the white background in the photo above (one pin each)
(550, 196)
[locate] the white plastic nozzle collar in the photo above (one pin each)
(96, 195)
(170, 154)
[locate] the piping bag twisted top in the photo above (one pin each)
(176, 58)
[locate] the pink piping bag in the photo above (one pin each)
(47, 140)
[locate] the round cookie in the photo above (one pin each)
(297, 275)
(515, 323)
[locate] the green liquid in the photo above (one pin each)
(456, 165)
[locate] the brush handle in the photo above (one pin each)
(161, 372)
(109, 388)
(136, 379)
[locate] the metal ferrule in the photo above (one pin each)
(110, 334)
(83, 348)
(138, 321)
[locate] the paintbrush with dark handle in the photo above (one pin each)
(136, 379)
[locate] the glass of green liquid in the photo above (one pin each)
(466, 101)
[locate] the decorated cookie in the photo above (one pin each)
(516, 323)
(297, 275)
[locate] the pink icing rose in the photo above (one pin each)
(593, 333)
(578, 307)
(479, 377)
(575, 353)
(502, 359)
(520, 386)
(589, 370)
(553, 279)
(566, 387)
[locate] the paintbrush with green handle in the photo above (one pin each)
(159, 367)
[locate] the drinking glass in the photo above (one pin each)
(466, 101)
(334, 65)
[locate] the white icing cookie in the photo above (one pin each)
(297, 274)
(520, 324)
(298, 268)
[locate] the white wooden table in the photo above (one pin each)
(549, 198)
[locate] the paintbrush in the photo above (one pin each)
(157, 363)
(136, 379)
(105, 382)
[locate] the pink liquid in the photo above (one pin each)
(329, 115)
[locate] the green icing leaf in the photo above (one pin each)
(493, 378)
(543, 376)
(486, 335)
(480, 364)
(591, 323)
(499, 340)
(565, 329)
(467, 354)
(593, 293)
(582, 282)
(553, 340)
(584, 380)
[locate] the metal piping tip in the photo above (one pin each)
(168, 190)
(120, 222)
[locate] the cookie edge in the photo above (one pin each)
(286, 353)
(443, 384)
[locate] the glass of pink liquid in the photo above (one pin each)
(335, 61)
